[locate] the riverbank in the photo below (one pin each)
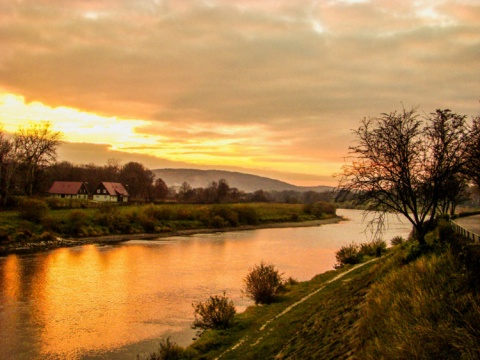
(390, 307)
(55, 242)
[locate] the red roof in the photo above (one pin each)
(66, 187)
(115, 188)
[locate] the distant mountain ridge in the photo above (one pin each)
(241, 181)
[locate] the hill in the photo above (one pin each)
(241, 181)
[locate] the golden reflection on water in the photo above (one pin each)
(11, 278)
(76, 293)
(83, 298)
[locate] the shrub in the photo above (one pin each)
(55, 203)
(226, 213)
(320, 209)
(291, 281)
(397, 240)
(373, 248)
(24, 235)
(46, 236)
(263, 283)
(32, 209)
(217, 222)
(415, 251)
(348, 255)
(168, 350)
(146, 219)
(66, 203)
(4, 235)
(247, 215)
(110, 217)
(51, 223)
(215, 313)
(77, 220)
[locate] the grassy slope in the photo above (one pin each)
(426, 309)
(323, 326)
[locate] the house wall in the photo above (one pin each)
(107, 198)
(65, 196)
(104, 198)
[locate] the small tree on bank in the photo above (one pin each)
(409, 166)
(263, 283)
(215, 313)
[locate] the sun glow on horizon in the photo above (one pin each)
(249, 146)
(76, 125)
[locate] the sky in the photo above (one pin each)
(266, 87)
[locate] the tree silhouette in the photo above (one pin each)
(405, 165)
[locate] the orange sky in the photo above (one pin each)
(266, 87)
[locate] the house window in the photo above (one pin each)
(98, 191)
(104, 191)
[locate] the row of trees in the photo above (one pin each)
(221, 192)
(416, 166)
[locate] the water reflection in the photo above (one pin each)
(117, 301)
(11, 278)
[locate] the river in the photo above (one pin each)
(114, 302)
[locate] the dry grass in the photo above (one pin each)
(423, 310)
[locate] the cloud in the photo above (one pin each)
(100, 154)
(298, 75)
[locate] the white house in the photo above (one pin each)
(110, 192)
(69, 190)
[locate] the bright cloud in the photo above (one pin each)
(265, 85)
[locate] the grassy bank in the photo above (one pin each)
(38, 221)
(406, 304)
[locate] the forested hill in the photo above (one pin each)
(241, 181)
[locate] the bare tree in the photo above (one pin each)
(473, 166)
(402, 165)
(37, 147)
(447, 135)
(9, 161)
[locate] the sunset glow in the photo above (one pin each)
(269, 88)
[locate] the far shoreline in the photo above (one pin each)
(35, 247)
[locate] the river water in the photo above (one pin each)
(114, 302)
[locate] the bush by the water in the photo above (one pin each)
(168, 350)
(352, 254)
(320, 209)
(215, 313)
(263, 283)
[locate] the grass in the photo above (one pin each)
(390, 308)
(108, 219)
